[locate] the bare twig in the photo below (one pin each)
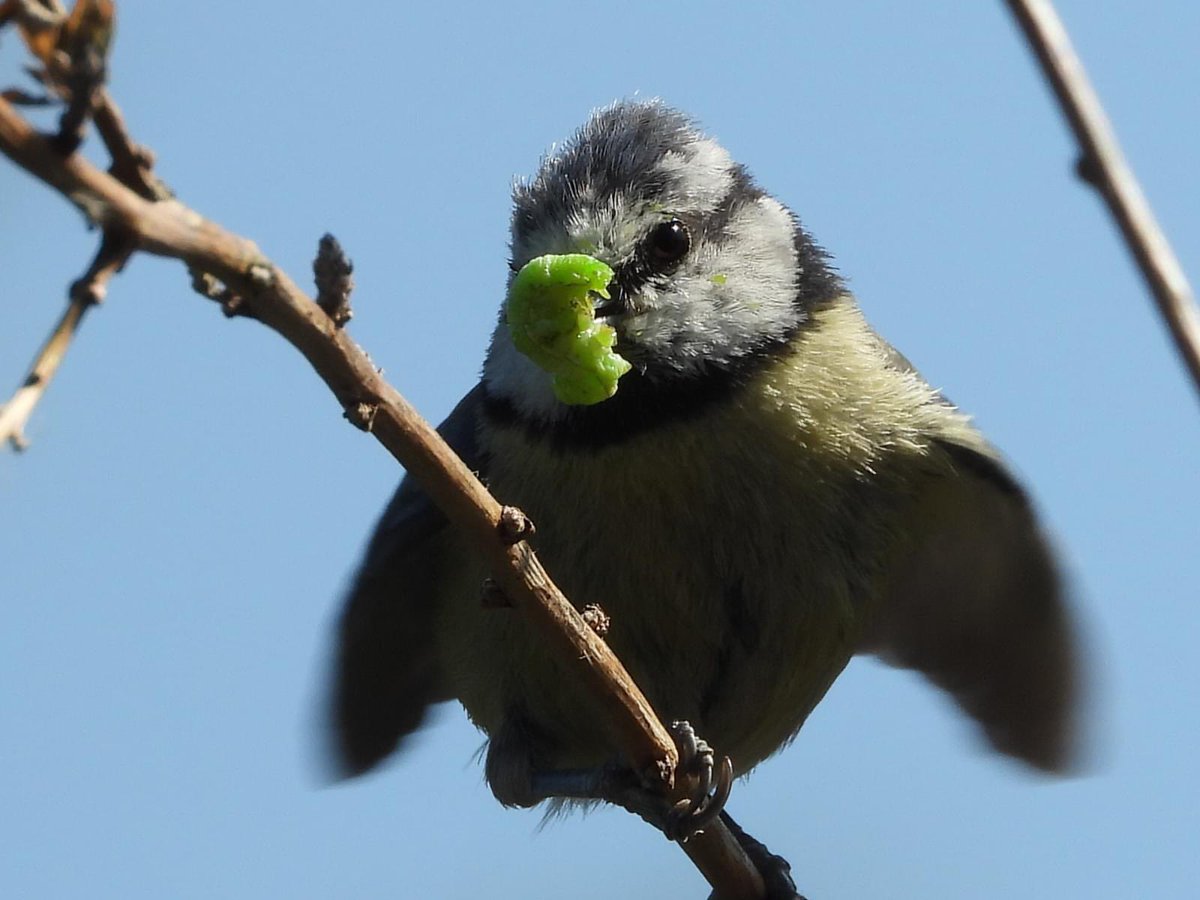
(18, 97)
(14, 415)
(86, 292)
(83, 83)
(132, 164)
(168, 228)
(74, 51)
(116, 246)
(1103, 165)
(80, 67)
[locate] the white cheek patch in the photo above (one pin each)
(510, 374)
(732, 296)
(758, 264)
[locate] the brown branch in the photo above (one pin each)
(14, 415)
(85, 293)
(228, 262)
(74, 50)
(1103, 165)
(132, 164)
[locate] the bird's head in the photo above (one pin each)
(710, 272)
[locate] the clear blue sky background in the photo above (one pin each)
(173, 545)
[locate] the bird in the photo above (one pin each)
(772, 490)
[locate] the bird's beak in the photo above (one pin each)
(607, 308)
(615, 305)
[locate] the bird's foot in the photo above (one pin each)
(776, 872)
(709, 787)
(711, 784)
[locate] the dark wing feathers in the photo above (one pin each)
(977, 605)
(386, 671)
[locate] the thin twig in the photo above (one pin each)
(168, 228)
(86, 292)
(76, 73)
(1103, 165)
(132, 164)
(83, 83)
(14, 415)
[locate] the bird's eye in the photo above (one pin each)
(668, 243)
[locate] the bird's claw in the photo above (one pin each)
(713, 782)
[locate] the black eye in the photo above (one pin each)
(668, 243)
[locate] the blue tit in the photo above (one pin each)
(772, 490)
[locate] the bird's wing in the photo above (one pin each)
(975, 602)
(386, 669)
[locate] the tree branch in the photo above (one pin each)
(233, 268)
(1103, 165)
(89, 290)
(14, 415)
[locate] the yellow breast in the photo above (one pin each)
(735, 553)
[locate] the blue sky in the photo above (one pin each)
(173, 544)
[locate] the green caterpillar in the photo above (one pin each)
(550, 314)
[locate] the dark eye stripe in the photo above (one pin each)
(630, 276)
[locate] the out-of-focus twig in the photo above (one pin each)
(86, 292)
(14, 415)
(80, 67)
(132, 164)
(1103, 165)
(73, 50)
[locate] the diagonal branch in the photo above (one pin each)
(14, 415)
(89, 290)
(168, 228)
(73, 49)
(1103, 165)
